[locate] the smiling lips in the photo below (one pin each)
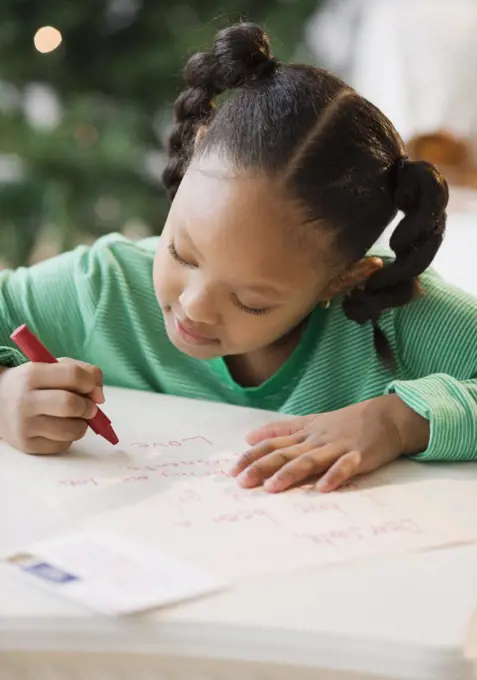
(189, 334)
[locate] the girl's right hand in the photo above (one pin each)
(44, 407)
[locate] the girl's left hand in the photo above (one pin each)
(335, 446)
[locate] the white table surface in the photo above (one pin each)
(404, 617)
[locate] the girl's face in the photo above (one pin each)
(231, 274)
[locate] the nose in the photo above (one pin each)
(197, 304)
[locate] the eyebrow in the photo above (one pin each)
(263, 289)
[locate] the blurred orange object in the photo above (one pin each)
(451, 154)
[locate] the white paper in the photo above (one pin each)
(141, 465)
(237, 533)
(111, 575)
(94, 476)
(172, 462)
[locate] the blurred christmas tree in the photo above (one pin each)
(82, 125)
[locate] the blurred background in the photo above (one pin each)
(86, 90)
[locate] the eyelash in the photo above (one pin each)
(249, 310)
(172, 250)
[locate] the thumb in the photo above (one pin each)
(279, 428)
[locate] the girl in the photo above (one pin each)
(261, 292)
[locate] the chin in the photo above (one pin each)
(201, 352)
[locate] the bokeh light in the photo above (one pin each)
(47, 39)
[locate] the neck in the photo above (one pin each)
(254, 368)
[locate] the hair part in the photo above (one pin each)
(334, 152)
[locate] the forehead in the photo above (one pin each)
(246, 225)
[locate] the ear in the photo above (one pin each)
(353, 277)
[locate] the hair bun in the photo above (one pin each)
(422, 194)
(243, 53)
(267, 67)
(416, 180)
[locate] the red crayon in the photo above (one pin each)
(37, 352)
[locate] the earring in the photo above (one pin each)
(325, 304)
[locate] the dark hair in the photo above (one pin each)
(337, 153)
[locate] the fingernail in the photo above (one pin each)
(98, 395)
(243, 479)
(93, 411)
(273, 485)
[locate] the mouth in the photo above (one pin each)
(190, 336)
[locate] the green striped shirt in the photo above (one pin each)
(98, 304)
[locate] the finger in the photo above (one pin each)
(58, 429)
(262, 449)
(66, 375)
(311, 463)
(267, 466)
(60, 404)
(346, 467)
(44, 447)
(280, 428)
(97, 395)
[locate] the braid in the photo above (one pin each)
(421, 193)
(241, 54)
(194, 107)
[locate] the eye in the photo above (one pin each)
(251, 310)
(172, 250)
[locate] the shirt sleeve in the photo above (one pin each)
(436, 350)
(56, 298)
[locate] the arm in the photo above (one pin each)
(436, 349)
(43, 407)
(430, 411)
(57, 299)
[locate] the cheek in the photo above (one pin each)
(250, 333)
(166, 277)
(279, 325)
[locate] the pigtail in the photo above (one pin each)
(241, 55)
(421, 193)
